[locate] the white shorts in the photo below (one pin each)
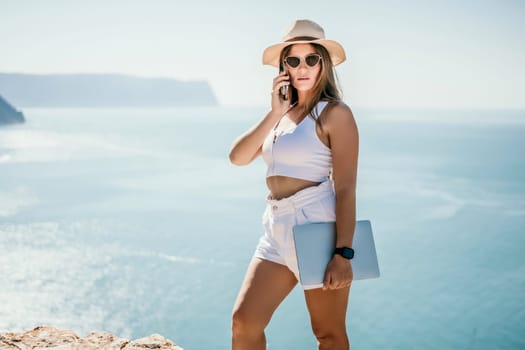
(312, 204)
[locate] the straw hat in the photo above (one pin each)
(304, 31)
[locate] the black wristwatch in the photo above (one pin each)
(345, 252)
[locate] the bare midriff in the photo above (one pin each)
(284, 186)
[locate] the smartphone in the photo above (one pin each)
(284, 89)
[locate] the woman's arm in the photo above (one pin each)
(344, 142)
(249, 145)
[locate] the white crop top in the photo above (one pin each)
(297, 151)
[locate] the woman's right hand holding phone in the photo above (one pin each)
(279, 104)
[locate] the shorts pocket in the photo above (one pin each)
(328, 205)
(319, 211)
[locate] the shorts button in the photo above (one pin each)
(274, 207)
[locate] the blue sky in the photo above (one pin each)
(447, 54)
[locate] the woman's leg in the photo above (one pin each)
(327, 310)
(265, 286)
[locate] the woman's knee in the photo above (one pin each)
(331, 338)
(245, 322)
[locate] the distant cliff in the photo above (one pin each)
(102, 90)
(8, 114)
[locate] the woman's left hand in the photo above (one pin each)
(338, 273)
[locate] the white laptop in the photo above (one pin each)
(314, 247)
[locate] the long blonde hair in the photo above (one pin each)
(325, 88)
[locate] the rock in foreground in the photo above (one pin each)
(57, 339)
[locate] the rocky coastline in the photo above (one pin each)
(8, 113)
(45, 337)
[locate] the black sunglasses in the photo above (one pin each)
(311, 60)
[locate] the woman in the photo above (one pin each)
(309, 141)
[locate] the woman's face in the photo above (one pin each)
(303, 77)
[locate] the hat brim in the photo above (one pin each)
(271, 53)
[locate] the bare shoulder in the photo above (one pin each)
(338, 117)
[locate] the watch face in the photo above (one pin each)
(348, 253)
(345, 252)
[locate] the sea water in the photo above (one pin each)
(133, 221)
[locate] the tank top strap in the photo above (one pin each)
(320, 107)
